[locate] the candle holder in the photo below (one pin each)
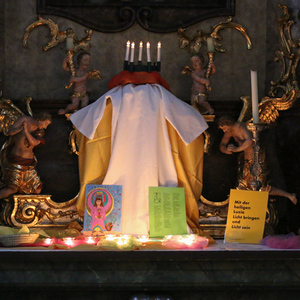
(131, 67)
(256, 168)
(70, 55)
(211, 59)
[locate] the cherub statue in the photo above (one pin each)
(80, 95)
(244, 144)
(18, 162)
(201, 84)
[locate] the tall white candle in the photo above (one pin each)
(210, 44)
(158, 51)
(254, 96)
(127, 50)
(132, 52)
(148, 52)
(69, 43)
(140, 51)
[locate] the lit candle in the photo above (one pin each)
(187, 240)
(90, 240)
(210, 44)
(110, 237)
(148, 52)
(123, 240)
(143, 239)
(48, 241)
(127, 51)
(158, 51)
(69, 241)
(254, 96)
(69, 43)
(132, 52)
(140, 51)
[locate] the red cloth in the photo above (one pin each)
(125, 77)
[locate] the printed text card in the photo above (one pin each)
(246, 216)
(167, 212)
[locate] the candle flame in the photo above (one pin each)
(141, 44)
(48, 241)
(159, 45)
(90, 240)
(69, 241)
(143, 239)
(148, 45)
(132, 45)
(123, 240)
(188, 240)
(128, 44)
(110, 237)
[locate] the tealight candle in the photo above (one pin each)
(123, 240)
(90, 240)
(187, 240)
(110, 237)
(69, 241)
(48, 241)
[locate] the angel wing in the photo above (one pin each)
(94, 74)
(246, 112)
(187, 70)
(9, 113)
(269, 107)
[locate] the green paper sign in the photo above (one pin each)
(167, 214)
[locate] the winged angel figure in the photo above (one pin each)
(17, 159)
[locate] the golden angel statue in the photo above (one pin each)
(17, 159)
(80, 95)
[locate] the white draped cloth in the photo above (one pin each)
(141, 153)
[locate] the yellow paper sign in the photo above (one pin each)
(246, 216)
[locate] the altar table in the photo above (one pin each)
(220, 271)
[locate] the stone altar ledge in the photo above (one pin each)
(221, 271)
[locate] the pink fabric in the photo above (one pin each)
(289, 241)
(185, 242)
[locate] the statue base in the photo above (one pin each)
(37, 211)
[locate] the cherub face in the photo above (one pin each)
(225, 128)
(197, 64)
(85, 61)
(44, 124)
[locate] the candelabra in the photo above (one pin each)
(211, 58)
(149, 67)
(256, 167)
(131, 67)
